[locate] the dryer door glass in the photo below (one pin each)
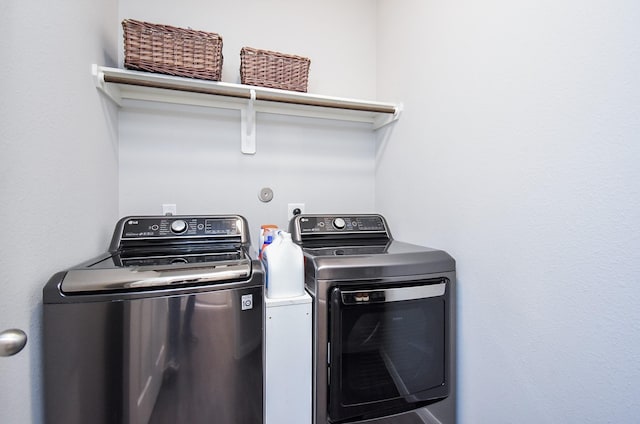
(387, 349)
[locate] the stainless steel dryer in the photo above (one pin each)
(384, 323)
(166, 327)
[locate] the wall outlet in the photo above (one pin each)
(169, 209)
(294, 209)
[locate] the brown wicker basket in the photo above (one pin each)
(169, 50)
(265, 68)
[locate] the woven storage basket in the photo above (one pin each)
(265, 68)
(169, 50)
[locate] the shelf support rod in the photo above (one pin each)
(248, 126)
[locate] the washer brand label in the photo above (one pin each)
(247, 301)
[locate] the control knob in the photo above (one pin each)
(179, 226)
(339, 223)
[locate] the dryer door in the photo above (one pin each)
(388, 349)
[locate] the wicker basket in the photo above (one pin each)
(265, 68)
(169, 50)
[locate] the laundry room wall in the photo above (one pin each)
(190, 156)
(518, 153)
(58, 168)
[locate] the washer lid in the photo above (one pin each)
(91, 280)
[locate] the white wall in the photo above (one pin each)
(518, 153)
(191, 156)
(58, 168)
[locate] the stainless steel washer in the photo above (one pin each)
(384, 323)
(165, 327)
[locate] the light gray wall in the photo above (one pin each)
(58, 168)
(518, 153)
(191, 156)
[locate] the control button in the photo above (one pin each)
(154, 227)
(339, 223)
(179, 226)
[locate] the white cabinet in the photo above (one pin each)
(288, 360)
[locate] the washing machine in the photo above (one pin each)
(384, 323)
(164, 327)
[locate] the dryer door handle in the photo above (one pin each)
(396, 294)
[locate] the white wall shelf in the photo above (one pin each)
(119, 84)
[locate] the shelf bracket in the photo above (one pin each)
(98, 80)
(383, 121)
(248, 126)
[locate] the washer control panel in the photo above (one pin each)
(180, 226)
(330, 224)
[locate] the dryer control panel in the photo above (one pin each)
(302, 226)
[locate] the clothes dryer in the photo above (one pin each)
(384, 324)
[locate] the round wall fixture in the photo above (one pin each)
(265, 195)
